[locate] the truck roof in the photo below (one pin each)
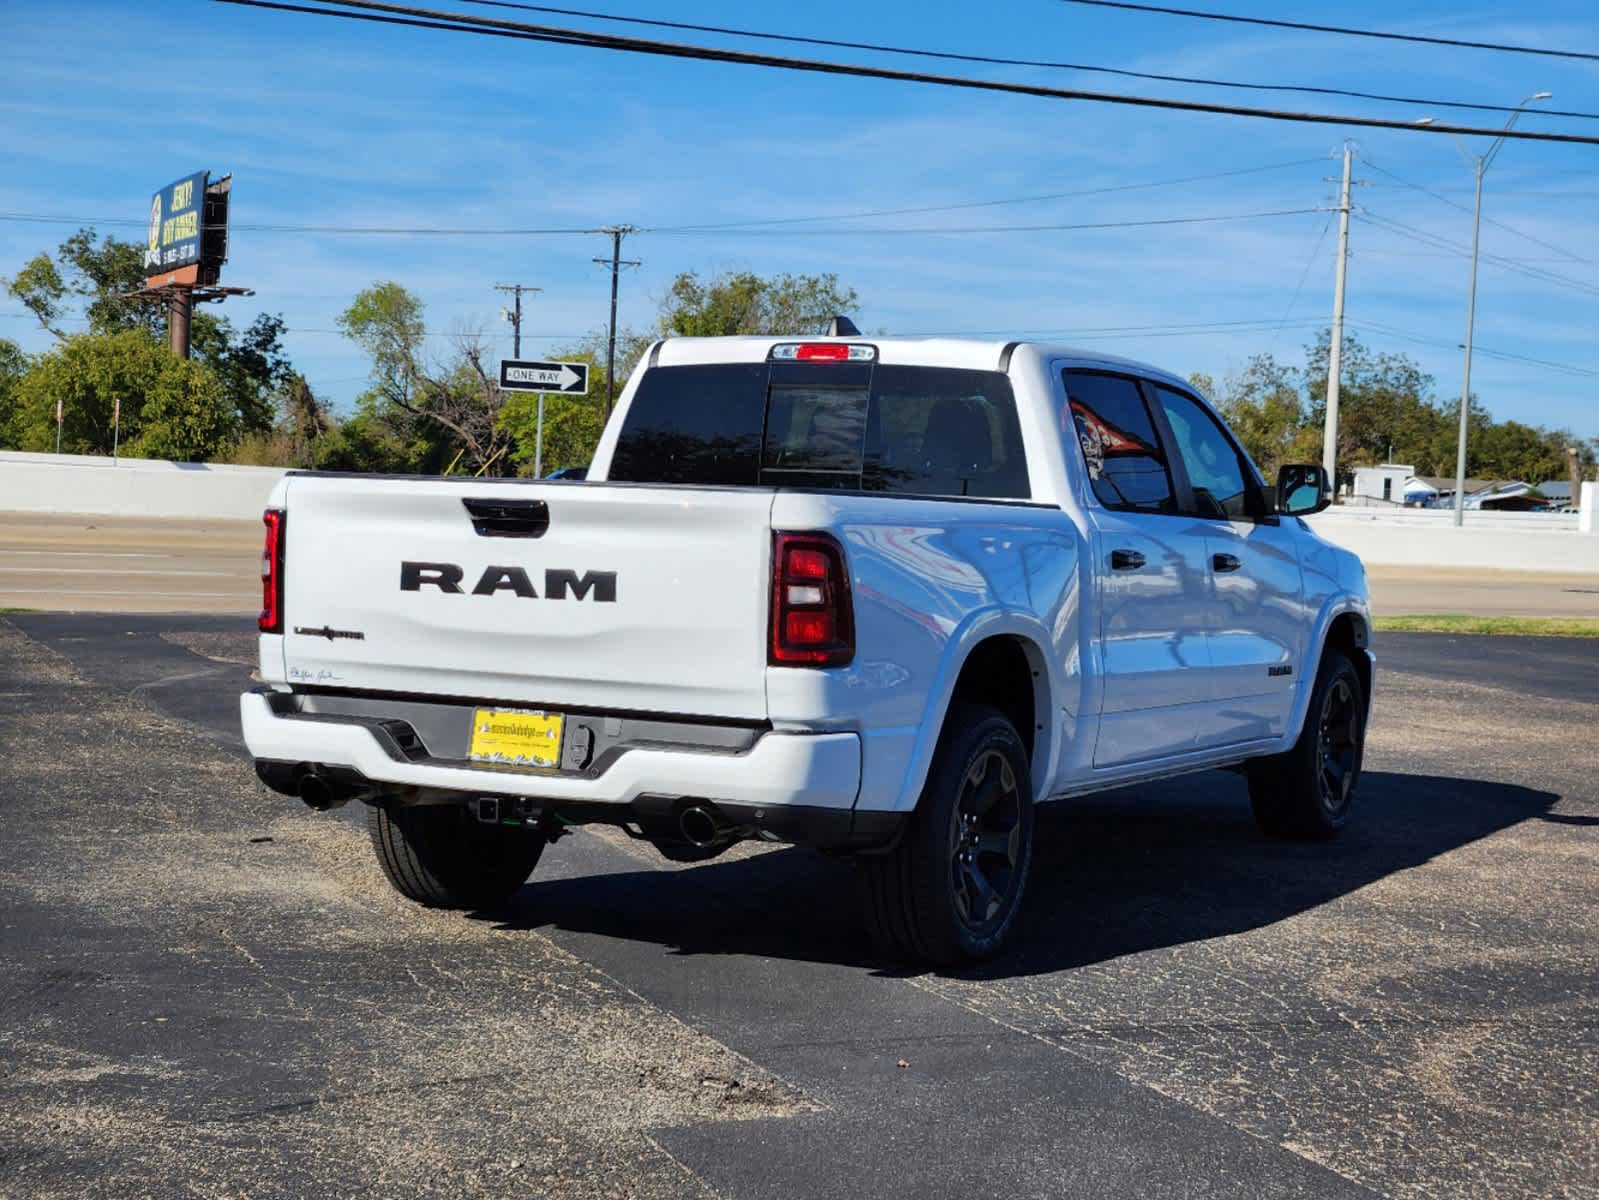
(974, 354)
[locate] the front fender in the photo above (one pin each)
(1333, 608)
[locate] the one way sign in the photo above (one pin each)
(568, 379)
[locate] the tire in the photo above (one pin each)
(1308, 792)
(972, 830)
(439, 856)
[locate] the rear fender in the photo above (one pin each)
(1048, 684)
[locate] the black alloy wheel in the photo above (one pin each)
(985, 841)
(1338, 745)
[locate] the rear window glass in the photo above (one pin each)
(927, 431)
(694, 425)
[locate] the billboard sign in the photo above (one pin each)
(176, 227)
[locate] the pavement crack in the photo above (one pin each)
(344, 1097)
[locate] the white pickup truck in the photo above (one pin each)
(877, 596)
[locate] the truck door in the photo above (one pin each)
(1150, 571)
(1256, 619)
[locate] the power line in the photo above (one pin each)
(997, 60)
(899, 231)
(372, 230)
(950, 230)
(1315, 251)
(1343, 30)
(753, 223)
(970, 204)
(1509, 264)
(1511, 229)
(421, 18)
(1421, 339)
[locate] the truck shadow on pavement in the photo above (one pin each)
(1114, 874)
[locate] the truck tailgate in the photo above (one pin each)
(630, 598)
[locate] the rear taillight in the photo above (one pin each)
(272, 572)
(813, 617)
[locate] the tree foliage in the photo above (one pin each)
(427, 404)
(94, 275)
(742, 302)
(13, 365)
(232, 388)
(170, 408)
(1387, 412)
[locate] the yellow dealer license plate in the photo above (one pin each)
(509, 735)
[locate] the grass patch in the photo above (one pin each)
(1513, 626)
(4, 611)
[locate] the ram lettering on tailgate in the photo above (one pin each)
(559, 583)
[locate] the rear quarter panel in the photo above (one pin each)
(931, 579)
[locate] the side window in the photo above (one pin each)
(1120, 449)
(1215, 470)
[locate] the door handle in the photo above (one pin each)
(1125, 560)
(1225, 562)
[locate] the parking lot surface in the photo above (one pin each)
(207, 990)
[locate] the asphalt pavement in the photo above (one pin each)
(205, 989)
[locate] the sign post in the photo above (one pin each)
(58, 424)
(116, 427)
(545, 378)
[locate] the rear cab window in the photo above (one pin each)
(906, 430)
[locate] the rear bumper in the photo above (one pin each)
(777, 774)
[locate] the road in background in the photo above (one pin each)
(137, 564)
(1396, 591)
(129, 564)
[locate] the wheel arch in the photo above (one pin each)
(1345, 626)
(998, 661)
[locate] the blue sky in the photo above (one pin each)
(329, 122)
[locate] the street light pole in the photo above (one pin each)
(1479, 166)
(1471, 328)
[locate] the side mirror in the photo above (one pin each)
(1302, 489)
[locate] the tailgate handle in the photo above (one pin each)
(508, 518)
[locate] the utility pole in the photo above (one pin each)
(1479, 165)
(616, 263)
(1335, 353)
(516, 313)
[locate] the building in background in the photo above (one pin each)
(1384, 484)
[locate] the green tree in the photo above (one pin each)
(94, 275)
(742, 302)
(572, 424)
(429, 407)
(13, 365)
(1385, 406)
(1262, 405)
(170, 408)
(251, 366)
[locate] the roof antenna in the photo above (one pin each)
(842, 326)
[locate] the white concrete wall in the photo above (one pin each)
(1487, 541)
(75, 483)
(47, 483)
